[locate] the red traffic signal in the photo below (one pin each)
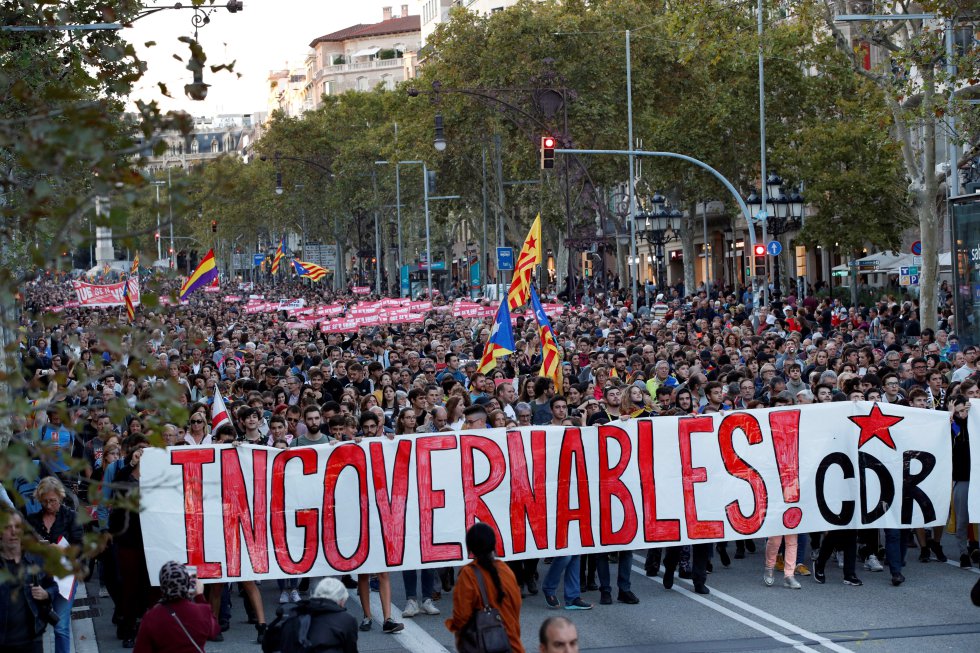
(759, 259)
(548, 144)
(156, 236)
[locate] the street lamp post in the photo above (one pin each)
(784, 213)
(658, 224)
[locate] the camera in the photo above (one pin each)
(46, 611)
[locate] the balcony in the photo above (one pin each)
(359, 66)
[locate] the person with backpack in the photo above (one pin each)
(486, 600)
(320, 624)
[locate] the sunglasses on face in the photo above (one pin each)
(197, 421)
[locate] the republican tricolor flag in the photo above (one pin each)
(219, 414)
(128, 301)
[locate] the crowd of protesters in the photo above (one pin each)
(97, 384)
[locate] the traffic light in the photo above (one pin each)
(759, 259)
(156, 236)
(214, 226)
(547, 152)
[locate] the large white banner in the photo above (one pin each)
(254, 512)
(973, 427)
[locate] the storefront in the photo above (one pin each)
(966, 266)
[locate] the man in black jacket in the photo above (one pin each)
(322, 623)
(25, 599)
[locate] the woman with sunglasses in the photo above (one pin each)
(197, 430)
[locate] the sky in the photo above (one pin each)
(264, 36)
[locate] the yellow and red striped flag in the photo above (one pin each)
(530, 256)
(128, 301)
(135, 267)
(550, 354)
(280, 253)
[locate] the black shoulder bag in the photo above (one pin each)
(484, 632)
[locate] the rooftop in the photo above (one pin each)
(399, 25)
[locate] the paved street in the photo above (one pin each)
(930, 612)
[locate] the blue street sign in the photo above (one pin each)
(505, 258)
(257, 259)
(774, 247)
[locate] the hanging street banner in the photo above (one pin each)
(243, 512)
(104, 296)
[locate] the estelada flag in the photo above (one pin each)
(501, 341)
(530, 256)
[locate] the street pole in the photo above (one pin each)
(398, 214)
(486, 255)
(172, 259)
(704, 215)
(500, 195)
(377, 236)
(428, 239)
(763, 215)
(159, 244)
(632, 166)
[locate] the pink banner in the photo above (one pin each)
(93, 296)
(230, 299)
(361, 290)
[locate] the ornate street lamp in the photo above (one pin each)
(659, 224)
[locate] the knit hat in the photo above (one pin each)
(175, 583)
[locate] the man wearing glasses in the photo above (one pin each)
(474, 418)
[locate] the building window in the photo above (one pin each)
(194, 146)
(327, 88)
(389, 82)
(362, 84)
(214, 146)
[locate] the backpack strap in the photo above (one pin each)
(481, 585)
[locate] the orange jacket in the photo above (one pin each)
(466, 601)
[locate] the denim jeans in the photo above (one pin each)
(624, 566)
(896, 544)
(410, 578)
(567, 566)
(286, 584)
(62, 632)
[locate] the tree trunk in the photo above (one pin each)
(687, 246)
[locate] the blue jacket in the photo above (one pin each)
(31, 573)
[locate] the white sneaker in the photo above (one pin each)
(428, 607)
(294, 596)
(768, 577)
(840, 559)
(284, 597)
(872, 564)
(411, 608)
(792, 583)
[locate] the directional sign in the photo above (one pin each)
(774, 247)
(505, 258)
(917, 247)
(257, 259)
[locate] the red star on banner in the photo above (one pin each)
(531, 242)
(876, 425)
